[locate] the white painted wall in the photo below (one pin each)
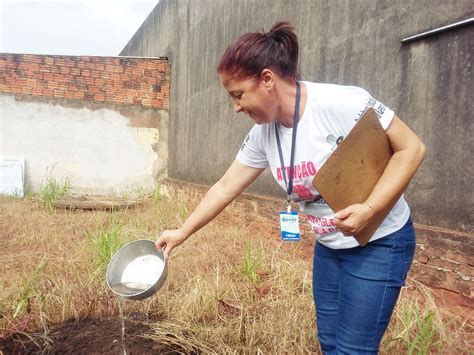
(96, 149)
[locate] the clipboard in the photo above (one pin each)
(351, 172)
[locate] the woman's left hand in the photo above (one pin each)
(351, 220)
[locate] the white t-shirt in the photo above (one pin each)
(331, 112)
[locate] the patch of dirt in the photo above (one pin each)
(88, 336)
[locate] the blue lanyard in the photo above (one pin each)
(289, 181)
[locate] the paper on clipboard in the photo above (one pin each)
(353, 169)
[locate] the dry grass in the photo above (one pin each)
(231, 288)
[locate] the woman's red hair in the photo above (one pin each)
(254, 51)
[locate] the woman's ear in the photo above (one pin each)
(267, 77)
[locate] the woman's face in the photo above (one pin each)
(250, 96)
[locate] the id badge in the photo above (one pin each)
(290, 226)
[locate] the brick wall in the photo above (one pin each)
(444, 262)
(131, 81)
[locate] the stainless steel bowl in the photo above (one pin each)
(137, 270)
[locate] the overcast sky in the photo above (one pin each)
(70, 27)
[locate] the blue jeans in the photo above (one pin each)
(355, 291)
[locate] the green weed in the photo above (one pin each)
(253, 260)
(53, 189)
(105, 242)
(157, 195)
(421, 333)
(28, 290)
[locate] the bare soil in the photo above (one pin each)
(89, 336)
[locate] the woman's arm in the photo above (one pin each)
(234, 181)
(408, 154)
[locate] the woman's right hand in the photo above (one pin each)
(170, 239)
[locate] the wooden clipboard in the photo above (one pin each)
(353, 169)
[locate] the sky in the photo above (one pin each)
(70, 27)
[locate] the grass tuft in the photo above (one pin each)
(421, 333)
(418, 326)
(105, 242)
(53, 189)
(252, 262)
(28, 290)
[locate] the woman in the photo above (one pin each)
(355, 288)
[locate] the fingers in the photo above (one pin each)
(345, 226)
(344, 222)
(159, 243)
(168, 240)
(167, 251)
(352, 219)
(162, 244)
(346, 212)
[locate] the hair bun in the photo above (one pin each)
(254, 51)
(281, 27)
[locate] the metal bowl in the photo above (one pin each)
(137, 270)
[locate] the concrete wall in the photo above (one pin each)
(96, 148)
(101, 122)
(428, 83)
